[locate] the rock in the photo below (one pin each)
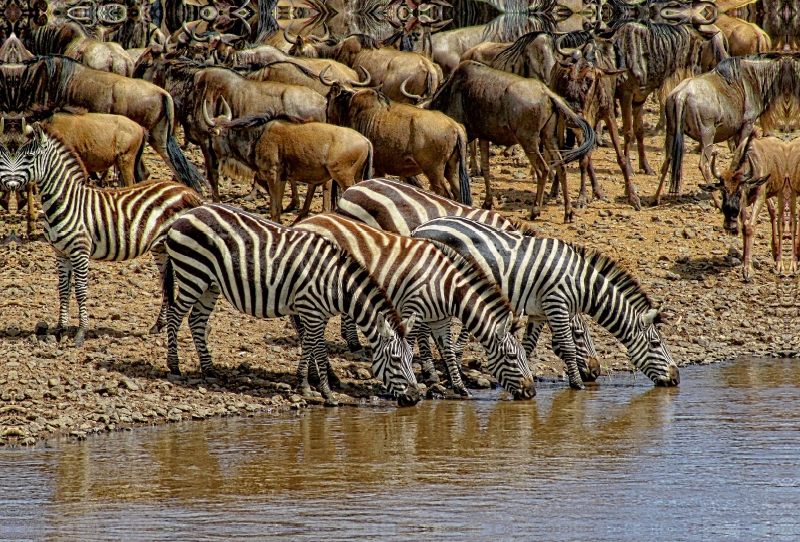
(672, 276)
(129, 384)
(689, 233)
(363, 374)
(80, 435)
(483, 383)
(41, 328)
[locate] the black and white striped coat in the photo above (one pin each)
(267, 270)
(556, 279)
(83, 223)
(433, 284)
(400, 208)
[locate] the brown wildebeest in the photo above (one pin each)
(70, 40)
(289, 72)
(721, 105)
(448, 47)
(57, 81)
(407, 140)
(506, 109)
(280, 148)
(768, 159)
(394, 71)
(102, 141)
(193, 85)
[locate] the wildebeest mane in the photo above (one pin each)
(46, 80)
(261, 119)
(516, 50)
(302, 69)
(52, 39)
(365, 41)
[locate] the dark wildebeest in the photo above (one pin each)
(57, 81)
(193, 85)
(279, 148)
(506, 109)
(407, 140)
(290, 72)
(70, 40)
(721, 105)
(397, 73)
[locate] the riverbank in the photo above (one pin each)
(119, 379)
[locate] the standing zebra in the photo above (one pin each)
(267, 271)
(435, 284)
(83, 223)
(557, 279)
(400, 208)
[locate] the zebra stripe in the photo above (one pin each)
(434, 284)
(400, 208)
(267, 271)
(553, 279)
(83, 223)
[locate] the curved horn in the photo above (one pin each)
(286, 34)
(407, 94)
(226, 110)
(325, 36)
(322, 77)
(559, 50)
(192, 33)
(714, 167)
(206, 116)
(365, 83)
(751, 167)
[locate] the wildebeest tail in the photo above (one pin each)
(589, 137)
(463, 172)
(187, 172)
(366, 170)
(138, 166)
(676, 114)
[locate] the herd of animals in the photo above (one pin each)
(398, 262)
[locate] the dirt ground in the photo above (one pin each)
(119, 379)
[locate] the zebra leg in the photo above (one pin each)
(460, 345)
(422, 334)
(349, 333)
(532, 331)
(64, 291)
(564, 345)
(314, 351)
(198, 324)
(441, 332)
(80, 271)
(160, 257)
(175, 315)
(305, 386)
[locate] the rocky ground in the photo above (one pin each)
(119, 380)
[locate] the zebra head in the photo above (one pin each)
(391, 362)
(649, 352)
(508, 362)
(585, 353)
(19, 168)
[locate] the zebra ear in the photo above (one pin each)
(384, 328)
(38, 133)
(504, 326)
(409, 322)
(649, 317)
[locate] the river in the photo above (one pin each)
(716, 459)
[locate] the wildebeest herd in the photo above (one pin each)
(396, 261)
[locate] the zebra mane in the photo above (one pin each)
(620, 277)
(468, 264)
(527, 231)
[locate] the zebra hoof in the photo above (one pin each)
(330, 401)
(156, 329)
(462, 391)
(436, 391)
(577, 385)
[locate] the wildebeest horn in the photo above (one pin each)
(193, 33)
(286, 34)
(206, 116)
(751, 167)
(559, 50)
(714, 166)
(226, 110)
(325, 36)
(365, 83)
(407, 94)
(322, 76)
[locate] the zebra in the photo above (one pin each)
(558, 279)
(399, 208)
(84, 223)
(267, 270)
(430, 281)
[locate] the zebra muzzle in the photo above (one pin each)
(410, 398)
(525, 391)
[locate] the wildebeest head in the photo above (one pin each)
(735, 185)
(341, 100)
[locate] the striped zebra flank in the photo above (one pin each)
(554, 280)
(430, 283)
(84, 223)
(397, 207)
(267, 271)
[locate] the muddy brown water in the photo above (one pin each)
(716, 459)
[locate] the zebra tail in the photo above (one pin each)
(676, 110)
(138, 166)
(463, 172)
(188, 173)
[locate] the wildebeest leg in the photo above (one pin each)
(554, 156)
(624, 165)
(778, 225)
(473, 159)
(488, 200)
(638, 126)
(126, 164)
(795, 223)
(583, 196)
(326, 196)
(748, 219)
(212, 169)
(275, 187)
(413, 181)
(540, 171)
(598, 192)
(707, 141)
(295, 203)
(626, 105)
(312, 187)
(437, 180)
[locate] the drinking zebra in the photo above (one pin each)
(557, 279)
(267, 271)
(400, 208)
(433, 283)
(83, 223)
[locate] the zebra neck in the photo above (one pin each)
(63, 177)
(611, 309)
(362, 300)
(480, 308)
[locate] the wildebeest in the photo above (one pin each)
(193, 86)
(768, 174)
(289, 72)
(394, 71)
(447, 47)
(507, 109)
(718, 106)
(407, 140)
(281, 148)
(70, 40)
(57, 81)
(102, 141)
